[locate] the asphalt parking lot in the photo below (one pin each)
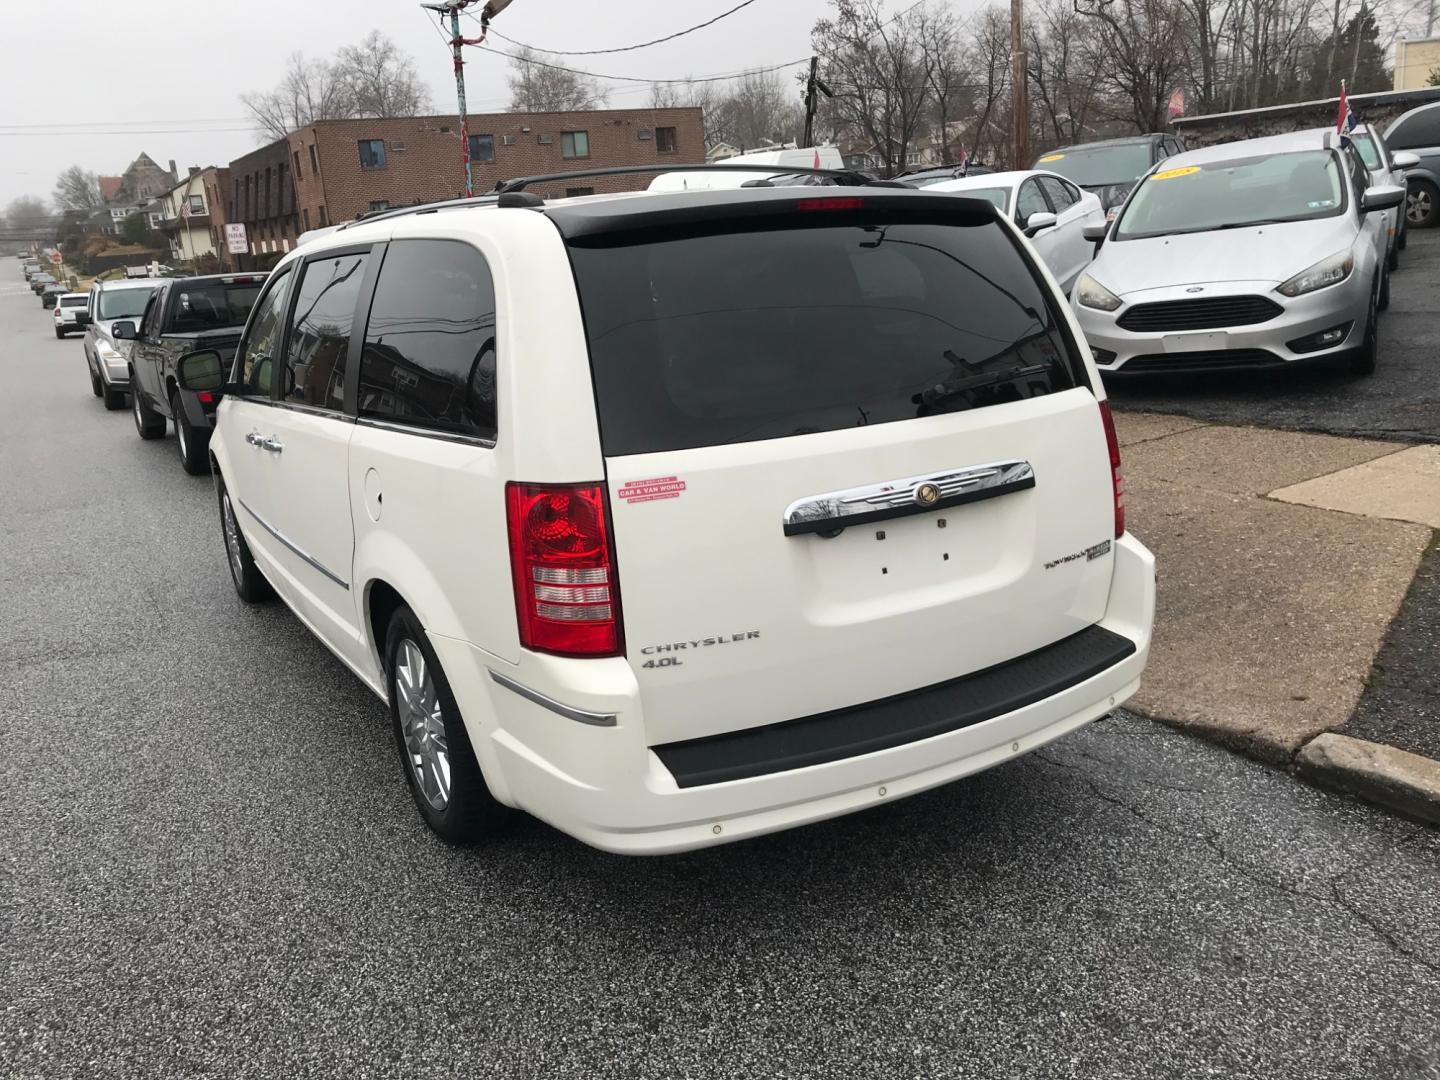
(212, 867)
(1400, 401)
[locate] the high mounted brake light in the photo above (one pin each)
(567, 599)
(830, 204)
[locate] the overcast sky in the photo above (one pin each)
(98, 81)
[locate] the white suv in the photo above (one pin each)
(679, 518)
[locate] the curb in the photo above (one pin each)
(1397, 780)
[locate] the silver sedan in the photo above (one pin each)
(1250, 254)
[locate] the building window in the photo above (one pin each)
(643, 133)
(197, 204)
(298, 174)
(372, 153)
(574, 144)
(323, 219)
(482, 147)
(314, 161)
(665, 140)
(379, 204)
(307, 219)
(577, 192)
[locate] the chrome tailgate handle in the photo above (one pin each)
(271, 443)
(832, 511)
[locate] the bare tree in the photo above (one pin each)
(28, 218)
(76, 189)
(990, 61)
(939, 38)
(309, 92)
(1135, 54)
(379, 79)
(757, 110)
(880, 74)
(539, 84)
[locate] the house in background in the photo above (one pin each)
(185, 218)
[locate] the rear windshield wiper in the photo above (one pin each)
(952, 388)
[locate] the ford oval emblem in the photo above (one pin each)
(1196, 288)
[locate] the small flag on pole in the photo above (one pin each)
(1346, 121)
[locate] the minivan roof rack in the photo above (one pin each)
(420, 208)
(843, 177)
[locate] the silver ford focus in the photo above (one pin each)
(1250, 254)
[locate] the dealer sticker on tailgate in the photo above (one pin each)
(661, 487)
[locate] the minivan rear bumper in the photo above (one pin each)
(603, 785)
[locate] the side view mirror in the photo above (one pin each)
(1381, 197)
(123, 331)
(1404, 159)
(1095, 233)
(202, 370)
(82, 318)
(1039, 220)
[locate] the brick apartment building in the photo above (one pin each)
(335, 170)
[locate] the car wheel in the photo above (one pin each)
(149, 423)
(1422, 204)
(1362, 361)
(95, 387)
(194, 444)
(440, 766)
(114, 399)
(60, 334)
(250, 583)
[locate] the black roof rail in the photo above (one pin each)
(420, 208)
(843, 177)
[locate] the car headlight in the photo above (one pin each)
(1328, 271)
(1092, 294)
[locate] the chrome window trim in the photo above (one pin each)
(299, 551)
(429, 433)
(312, 410)
(580, 716)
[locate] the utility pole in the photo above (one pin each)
(1018, 68)
(453, 8)
(813, 84)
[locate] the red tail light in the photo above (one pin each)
(1117, 477)
(567, 599)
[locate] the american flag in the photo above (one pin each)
(1346, 122)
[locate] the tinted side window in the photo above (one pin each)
(429, 357)
(1059, 193)
(150, 323)
(314, 370)
(256, 359)
(1030, 201)
(1415, 130)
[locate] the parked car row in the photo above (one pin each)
(669, 517)
(1251, 254)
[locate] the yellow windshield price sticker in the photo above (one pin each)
(1050, 157)
(1170, 174)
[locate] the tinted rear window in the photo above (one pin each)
(700, 338)
(213, 306)
(73, 301)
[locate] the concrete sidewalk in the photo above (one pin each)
(1278, 575)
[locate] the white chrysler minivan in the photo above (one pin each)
(679, 518)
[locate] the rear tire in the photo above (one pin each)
(194, 444)
(1422, 204)
(440, 767)
(149, 423)
(250, 583)
(60, 334)
(114, 399)
(1362, 360)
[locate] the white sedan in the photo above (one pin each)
(1047, 208)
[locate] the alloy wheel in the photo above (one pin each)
(1417, 206)
(423, 725)
(232, 537)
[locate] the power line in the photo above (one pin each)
(623, 48)
(633, 79)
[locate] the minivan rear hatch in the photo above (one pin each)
(850, 448)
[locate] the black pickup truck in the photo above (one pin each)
(183, 315)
